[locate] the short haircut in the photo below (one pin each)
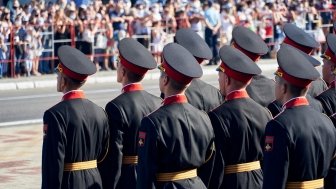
(133, 77)
(73, 83)
(293, 89)
(175, 85)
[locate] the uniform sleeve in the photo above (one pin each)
(217, 175)
(276, 156)
(53, 150)
(326, 107)
(330, 180)
(110, 168)
(205, 170)
(275, 108)
(147, 153)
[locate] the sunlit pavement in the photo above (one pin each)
(20, 157)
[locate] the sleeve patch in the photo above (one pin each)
(45, 129)
(269, 143)
(142, 137)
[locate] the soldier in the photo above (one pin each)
(75, 130)
(304, 42)
(200, 94)
(328, 97)
(276, 107)
(300, 143)
(301, 40)
(125, 113)
(239, 125)
(175, 139)
(261, 88)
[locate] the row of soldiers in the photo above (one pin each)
(253, 132)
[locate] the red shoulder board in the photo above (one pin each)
(45, 129)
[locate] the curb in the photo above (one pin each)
(107, 78)
(20, 85)
(21, 123)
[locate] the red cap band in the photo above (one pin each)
(199, 60)
(175, 75)
(62, 69)
(239, 76)
(131, 67)
(307, 50)
(253, 56)
(293, 80)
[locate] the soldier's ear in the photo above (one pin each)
(284, 88)
(63, 83)
(227, 80)
(123, 71)
(166, 80)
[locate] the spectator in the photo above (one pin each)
(19, 38)
(36, 43)
(279, 13)
(61, 31)
(117, 14)
(155, 12)
(158, 38)
(3, 50)
(310, 15)
(45, 64)
(101, 43)
(213, 23)
(110, 50)
(168, 19)
(88, 37)
(182, 19)
(15, 10)
(142, 23)
(28, 51)
(196, 17)
(227, 23)
(77, 21)
(140, 17)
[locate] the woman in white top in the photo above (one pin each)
(228, 21)
(158, 38)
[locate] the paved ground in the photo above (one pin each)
(20, 157)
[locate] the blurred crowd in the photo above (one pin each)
(30, 33)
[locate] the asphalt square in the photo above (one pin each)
(20, 157)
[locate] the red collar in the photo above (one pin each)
(332, 84)
(179, 98)
(298, 101)
(132, 87)
(73, 95)
(237, 94)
